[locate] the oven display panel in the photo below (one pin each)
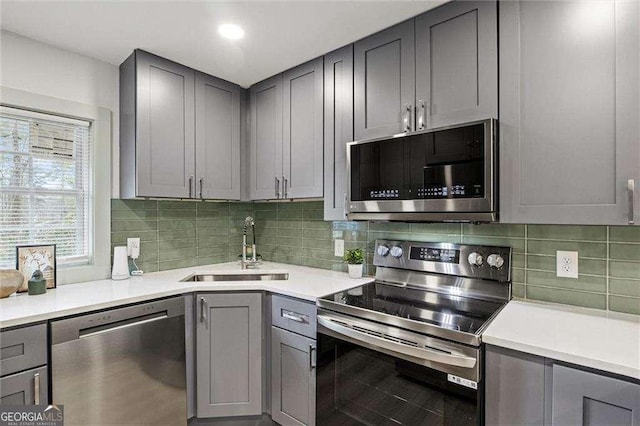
(434, 254)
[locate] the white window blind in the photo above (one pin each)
(45, 185)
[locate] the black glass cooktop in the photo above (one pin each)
(448, 311)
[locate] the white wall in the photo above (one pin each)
(30, 65)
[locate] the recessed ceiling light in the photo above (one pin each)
(231, 31)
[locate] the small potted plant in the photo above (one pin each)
(354, 259)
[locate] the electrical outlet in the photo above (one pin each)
(133, 247)
(567, 264)
(338, 249)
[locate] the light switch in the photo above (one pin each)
(338, 249)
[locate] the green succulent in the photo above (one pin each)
(354, 257)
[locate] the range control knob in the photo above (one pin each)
(396, 251)
(383, 250)
(475, 259)
(495, 261)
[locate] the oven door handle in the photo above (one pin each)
(444, 357)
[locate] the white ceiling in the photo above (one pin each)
(279, 35)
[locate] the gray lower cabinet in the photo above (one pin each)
(27, 388)
(179, 131)
(265, 143)
(293, 378)
(217, 138)
(569, 108)
(23, 366)
(456, 64)
(338, 129)
(524, 389)
(302, 135)
(514, 388)
(229, 354)
(584, 398)
(384, 82)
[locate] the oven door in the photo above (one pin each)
(447, 172)
(361, 380)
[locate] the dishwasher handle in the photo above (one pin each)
(83, 326)
(119, 325)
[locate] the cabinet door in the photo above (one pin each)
(27, 388)
(265, 144)
(217, 138)
(569, 128)
(293, 378)
(229, 354)
(165, 129)
(582, 398)
(338, 129)
(514, 384)
(302, 148)
(457, 64)
(384, 82)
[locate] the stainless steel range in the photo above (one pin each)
(406, 349)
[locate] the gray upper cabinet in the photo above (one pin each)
(286, 145)
(179, 131)
(384, 82)
(229, 354)
(338, 129)
(569, 108)
(456, 64)
(302, 151)
(583, 398)
(157, 101)
(293, 378)
(265, 143)
(217, 138)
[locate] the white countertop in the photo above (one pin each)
(606, 341)
(603, 340)
(304, 283)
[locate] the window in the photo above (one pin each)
(45, 185)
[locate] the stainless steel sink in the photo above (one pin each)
(236, 277)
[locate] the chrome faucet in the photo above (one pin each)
(245, 263)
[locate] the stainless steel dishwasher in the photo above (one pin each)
(123, 366)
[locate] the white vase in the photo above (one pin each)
(355, 271)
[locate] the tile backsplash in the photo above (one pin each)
(177, 234)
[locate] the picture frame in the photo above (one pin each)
(29, 258)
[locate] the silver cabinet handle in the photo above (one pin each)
(292, 316)
(202, 307)
(277, 188)
(420, 112)
(344, 207)
(406, 118)
(201, 186)
(285, 186)
(312, 360)
(631, 189)
(190, 186)
(36, 388)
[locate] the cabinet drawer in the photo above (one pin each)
(22, 388)
(294, 315)
(23, 348)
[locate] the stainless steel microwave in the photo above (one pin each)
(448, 174)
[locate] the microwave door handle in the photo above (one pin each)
(454, 359)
